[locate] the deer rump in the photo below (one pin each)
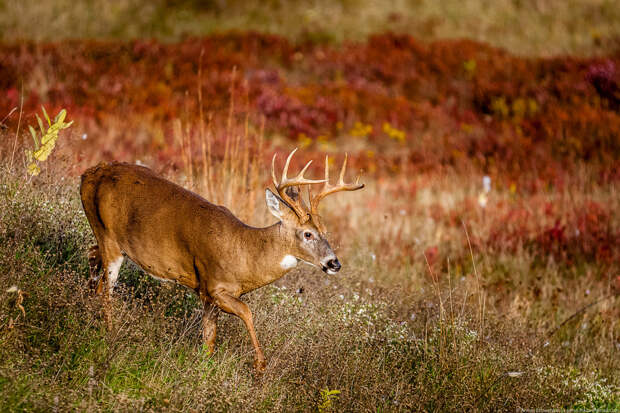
(153, 221)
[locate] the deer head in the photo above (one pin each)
(302, 228)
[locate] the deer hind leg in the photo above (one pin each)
(209, 325)
(233, 305)
(112, 259)
(95, 263)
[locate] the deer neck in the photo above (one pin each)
(273, 257)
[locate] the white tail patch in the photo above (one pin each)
(288, 262)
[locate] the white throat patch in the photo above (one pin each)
(288, 262)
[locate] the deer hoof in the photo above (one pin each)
(259, 365)
(93, 284)
(209, 348)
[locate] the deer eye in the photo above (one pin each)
(308, 235)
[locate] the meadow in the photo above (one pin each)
(480, 262)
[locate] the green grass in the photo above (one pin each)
(353, 333)
(530, 27)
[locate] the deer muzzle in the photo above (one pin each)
(332, 266)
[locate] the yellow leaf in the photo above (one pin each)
(33, 169)
(48, 139)
(60, 118)
(34, 137)
(40, 124)
(47, 118)
(51, 135)
(43, 153)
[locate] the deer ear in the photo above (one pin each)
(273, 203)
(277, 207)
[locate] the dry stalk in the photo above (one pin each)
(481, 297)
(19, 122)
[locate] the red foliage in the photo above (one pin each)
(583, 233)
(431, 254)
(524, 112)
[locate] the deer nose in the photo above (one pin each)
(334, 264)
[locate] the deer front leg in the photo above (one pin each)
(237, 307)
(209, 325)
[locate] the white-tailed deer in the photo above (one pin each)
(176, 235)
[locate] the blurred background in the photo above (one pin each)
(481, 261)
(525, 27)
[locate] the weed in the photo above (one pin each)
(327, 398)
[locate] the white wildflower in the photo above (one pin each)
(486, 183)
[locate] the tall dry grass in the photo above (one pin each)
(232, 179)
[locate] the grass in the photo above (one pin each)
(530, 27)
(389, 335)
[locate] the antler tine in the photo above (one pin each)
(326, 171)
(288, 161)
(285, 182)
(343, 169)
(304, 169)
(273, 170)
(330, 189)
(299, 179)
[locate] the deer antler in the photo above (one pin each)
(297, 203)
(330, 189)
